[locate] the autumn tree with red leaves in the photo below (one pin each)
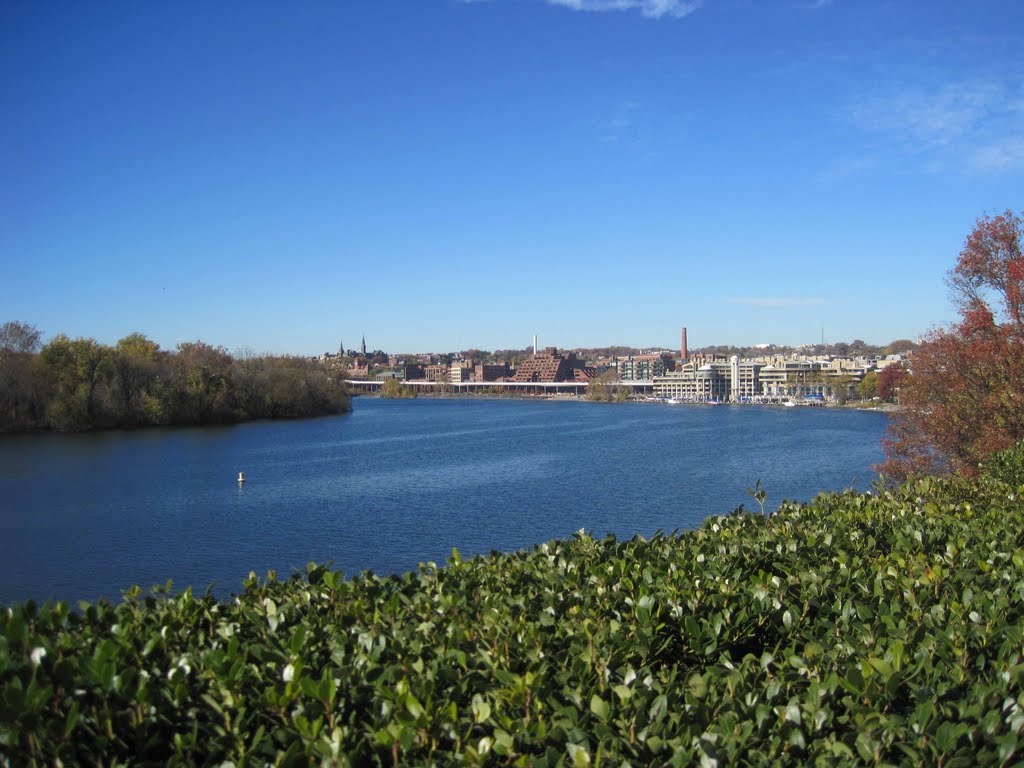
(890, 380)
(964, 398)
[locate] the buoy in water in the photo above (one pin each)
(241, 477)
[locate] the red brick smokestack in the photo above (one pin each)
(683, 349)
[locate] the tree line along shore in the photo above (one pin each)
(78, 384)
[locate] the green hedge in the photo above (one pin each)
(859, 629)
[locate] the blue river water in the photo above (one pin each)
(393, 484)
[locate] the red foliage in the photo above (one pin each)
(991, 265)
(965, 397)
(890, 379)
(977, 320)
(964, 401)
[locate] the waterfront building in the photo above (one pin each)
(402, 373)
(643, 367)
(716, 381)
(745, 380)
(437, 373)
(787, 377)
(713, 382)
(461, 373)
(774, 378)
(550, 366)
(492, 371)
(412, 372)
(696, 382)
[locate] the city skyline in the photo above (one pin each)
(458, 173)
(539, 346)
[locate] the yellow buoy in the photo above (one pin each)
(241, 477)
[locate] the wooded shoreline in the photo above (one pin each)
(79, 385)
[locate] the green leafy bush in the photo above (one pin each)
(859, 629)
(393, 388)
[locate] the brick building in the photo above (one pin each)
(492, 371)
(549, 366)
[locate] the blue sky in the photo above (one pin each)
(443, 174)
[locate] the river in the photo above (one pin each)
(393, 484)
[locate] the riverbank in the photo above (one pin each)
(228, 421)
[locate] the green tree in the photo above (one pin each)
(294, 387)
(842, 387)
(394, 389)
(868, 387)
(137, 363)
(76, 368)
(79, 384)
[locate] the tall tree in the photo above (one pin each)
(964, 398)
(868, 387)
(76, 369)
(246, 373)
(136, 364)
(606, 387)
(841, 386)
(890, 380)
(19, 339)
(989, 276)
(203, 376)
(20, 379)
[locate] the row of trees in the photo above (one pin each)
(855, 348)
(965, 397)
(884, 384)
(79, 384)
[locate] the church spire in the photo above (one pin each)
(363, 348)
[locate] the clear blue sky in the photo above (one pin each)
(442, 174)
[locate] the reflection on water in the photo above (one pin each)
(393, 484)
